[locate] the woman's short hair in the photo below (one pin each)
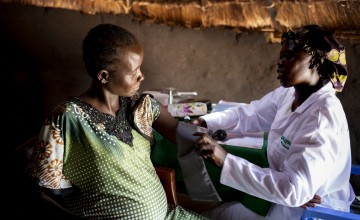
(101, 46)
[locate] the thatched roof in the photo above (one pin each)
(340, 16)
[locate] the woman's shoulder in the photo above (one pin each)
(145, 110)
(326, 99)
(65, 108)
(145, 100)
(143, 96)
(327, 109)
(331, 107)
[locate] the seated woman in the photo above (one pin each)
(94, 149)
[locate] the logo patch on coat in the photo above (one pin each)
(285, 142)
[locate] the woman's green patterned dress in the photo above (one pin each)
(107, 160)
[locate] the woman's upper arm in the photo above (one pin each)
(166, 124)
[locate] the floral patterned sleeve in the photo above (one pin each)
(46, 163)
(145, 113)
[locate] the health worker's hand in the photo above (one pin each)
(312, 203)
(210, 149)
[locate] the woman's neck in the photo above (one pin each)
(304, 92)
(101, 99)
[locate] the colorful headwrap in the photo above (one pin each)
(328, 54)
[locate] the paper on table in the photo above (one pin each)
(251, 140)
(223, 105)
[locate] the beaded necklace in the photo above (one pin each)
(118, 126)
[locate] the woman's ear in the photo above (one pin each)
(103, 76)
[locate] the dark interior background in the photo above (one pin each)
(41, 65)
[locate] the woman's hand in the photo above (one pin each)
(210, 149)
(312, 203)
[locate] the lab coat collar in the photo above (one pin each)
(326, 89)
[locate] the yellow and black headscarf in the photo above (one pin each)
(328, 54)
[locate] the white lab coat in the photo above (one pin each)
(308, 151)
